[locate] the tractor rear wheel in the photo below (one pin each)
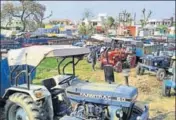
(161, 73)
(21, 107)
(165, 90)
(118, 67)
(133, 61)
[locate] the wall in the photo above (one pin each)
(132, 30)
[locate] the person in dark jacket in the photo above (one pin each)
(93, 58)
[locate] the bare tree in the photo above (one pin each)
(24, 11)
(87, 14)
(39, 14)
(145, 18)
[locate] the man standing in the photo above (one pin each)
(93, 58)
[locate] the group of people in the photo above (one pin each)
(94, 54)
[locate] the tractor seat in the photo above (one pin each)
(50, 84)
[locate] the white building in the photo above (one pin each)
(14, 24)
(155, 23)
(97, 21)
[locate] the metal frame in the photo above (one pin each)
(28, 73)
(70, 62)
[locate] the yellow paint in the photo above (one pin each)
(61, 29)
(51, 34)
(48, 26)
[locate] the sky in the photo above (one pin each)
(74, 9)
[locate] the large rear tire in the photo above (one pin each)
(132, 61)
(21, 107)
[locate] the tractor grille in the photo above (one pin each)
(147, 62)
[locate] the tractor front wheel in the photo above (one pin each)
(137, 111)
(118, 67)
(161, 73)
(21, 107)
(166, 90)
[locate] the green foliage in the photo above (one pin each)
(110, 21)
(85, 29)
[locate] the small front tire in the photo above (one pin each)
(160, 75)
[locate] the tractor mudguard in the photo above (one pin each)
(31, 92)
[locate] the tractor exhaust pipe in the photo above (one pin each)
(109, 73)
(126, 80)
(126, 75)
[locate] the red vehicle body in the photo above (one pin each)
(116, 58)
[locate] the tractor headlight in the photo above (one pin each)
(38, 94)
(119, 113)
(139, 118)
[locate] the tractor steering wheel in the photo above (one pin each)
(67, 80)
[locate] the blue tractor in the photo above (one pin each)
(169, 82)
(64, 96)
(158, 64)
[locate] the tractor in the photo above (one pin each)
(63, 96)
(117, 58)
(154, 63)
(169, 82)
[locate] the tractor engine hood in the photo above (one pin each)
(102, 93)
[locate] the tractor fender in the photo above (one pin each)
(30, 92)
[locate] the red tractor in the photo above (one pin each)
(117, 58)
